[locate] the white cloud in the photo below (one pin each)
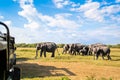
(116, 19)
(88, 6)
(111, 12)
(74, 4)
(61, 21)
(30, 13)
(62, 3)
(26, 35)
(117, 1)
(104, 34)
(94, 11)
(32, 25)
(38, 20)
(62, 27)
(8, 23)
(1, 17)
(46, 26)
(94, 14)
(91, 10)
(111, 9)
(88, 1)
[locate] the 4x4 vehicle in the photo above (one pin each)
(8, 71)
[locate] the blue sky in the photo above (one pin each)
(62, 21)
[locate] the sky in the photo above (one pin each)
(62, 21)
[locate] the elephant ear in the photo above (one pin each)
(37, 46)
(43, 45)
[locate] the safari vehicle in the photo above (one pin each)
(8, 71)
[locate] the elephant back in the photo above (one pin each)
(50, 46)
(105, 49)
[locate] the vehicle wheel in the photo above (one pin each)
(16, 73)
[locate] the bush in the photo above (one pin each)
(60, 45)
(65, 78)
(26, 45)
(114, 46)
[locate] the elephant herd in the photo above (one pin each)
(75, 49)
(93, 49)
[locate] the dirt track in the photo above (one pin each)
(73, 70)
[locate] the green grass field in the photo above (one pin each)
(40, 68)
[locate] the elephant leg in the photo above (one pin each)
(44, 53)
(41, 53)
(86, 53)
(102, 56)
(78, 52)
(108, 56)
(97, 55)
(63, 52)
(94, 56)
(90, 53)
(82, 53)
(53, 54)
(36, 54)
(73, 52)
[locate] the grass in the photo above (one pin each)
(28, 54)
(25, 56)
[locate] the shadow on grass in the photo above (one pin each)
(115, 56)
(115, 60)
(33, 70)
(23, 59)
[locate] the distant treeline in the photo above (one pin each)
(114, 46)
(33, 45)
(59, 45)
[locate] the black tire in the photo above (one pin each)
(16, 75)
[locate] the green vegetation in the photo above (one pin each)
(92, 77)
(25, 56)
(23, 45)
(114, 46)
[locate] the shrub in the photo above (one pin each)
(65, 78)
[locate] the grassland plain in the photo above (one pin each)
(67, 67)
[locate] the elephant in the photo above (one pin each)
(46, 47)
(66, 48)
(71, 49)
(75, 48)
(93, 46)
(85, 50)
(103, 51)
